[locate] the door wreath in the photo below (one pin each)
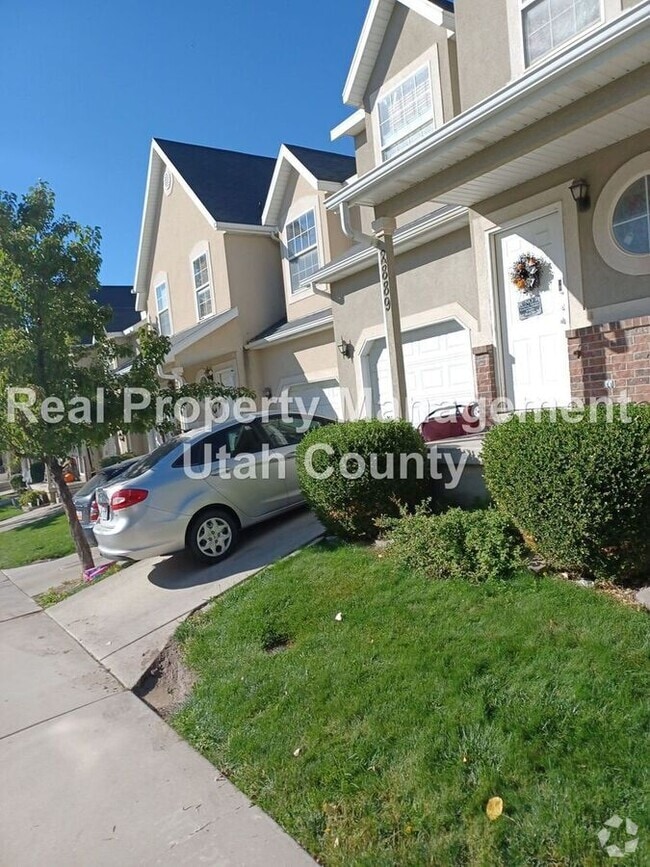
(526, 272)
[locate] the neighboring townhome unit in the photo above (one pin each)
(503, 149)
(297, 355)
(209, 273)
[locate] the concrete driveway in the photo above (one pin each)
(127, 619)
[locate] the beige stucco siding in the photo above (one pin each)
(255, 277)
(436, 281)
(181, 227)
(305, 359)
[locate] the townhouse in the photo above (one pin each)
(503, 155)
(489, 239)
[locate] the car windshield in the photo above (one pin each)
(148, 461)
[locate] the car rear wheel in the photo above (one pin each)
(212, 536)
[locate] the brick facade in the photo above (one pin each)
(610, 360)
(486, 377)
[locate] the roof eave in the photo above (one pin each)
(502, 106)
(436, 225)
(284, 337)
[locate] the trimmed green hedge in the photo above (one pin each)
(579, 491)
(473, 545)
(350, 507)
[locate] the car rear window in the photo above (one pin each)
(92, 484)
(149, 461)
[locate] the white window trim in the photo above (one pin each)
(202, 249)
(637, 265)
(430, 59)
(560, 49)
(318, 246)
(159, 279)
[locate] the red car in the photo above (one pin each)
(448, 422)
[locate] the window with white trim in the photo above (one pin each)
(302, 248)
(163, 316)
(202, 286)
(549, 23)
(631, 218)
(406, 113)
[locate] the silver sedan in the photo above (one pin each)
(200, 489)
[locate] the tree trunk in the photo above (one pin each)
(76, 531)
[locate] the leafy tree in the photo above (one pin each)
(53, 342)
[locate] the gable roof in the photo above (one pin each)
(227, 187)
(322, 169)
(120, 300)
(439, 12)
(232, 186)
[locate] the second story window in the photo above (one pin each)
(302, 249)
(549, 23)
(162, 310)
(406, 113)
(202, 286)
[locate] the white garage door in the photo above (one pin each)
(439, 370)
(327, 392)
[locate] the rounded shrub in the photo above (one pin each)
(472, 545)
(328, 456)
(577, 486)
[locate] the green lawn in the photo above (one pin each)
(424, 701)
(9, 511)
(43, 540)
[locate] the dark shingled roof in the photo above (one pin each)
(122, 302)
(231, 185)
(447, 5)
(325, 165)
(283, 326)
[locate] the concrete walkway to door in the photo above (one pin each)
(91, 775)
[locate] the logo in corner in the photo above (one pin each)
(621, 829)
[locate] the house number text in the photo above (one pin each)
(385, 279)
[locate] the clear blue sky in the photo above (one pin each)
(85, 85)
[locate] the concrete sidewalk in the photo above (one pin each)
(127, 619)
(30, 517)
(92, 777)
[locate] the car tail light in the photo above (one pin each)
(127, 497)
(94, 512)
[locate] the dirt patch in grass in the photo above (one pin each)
(168, 683)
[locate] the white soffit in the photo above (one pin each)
(609, 53)
(287, 162)
(352, 125)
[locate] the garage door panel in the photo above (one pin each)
(327, 392)
(438, 367)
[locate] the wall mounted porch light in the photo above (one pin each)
(580, 192)
(346, 349)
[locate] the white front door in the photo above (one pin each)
(535, 350)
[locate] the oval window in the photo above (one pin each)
(631, 219)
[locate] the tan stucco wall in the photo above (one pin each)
(181, 227)
(255, 279)
(307, 358)
(595, 284)
(436, 281)
(483, 40)
(219, 347)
